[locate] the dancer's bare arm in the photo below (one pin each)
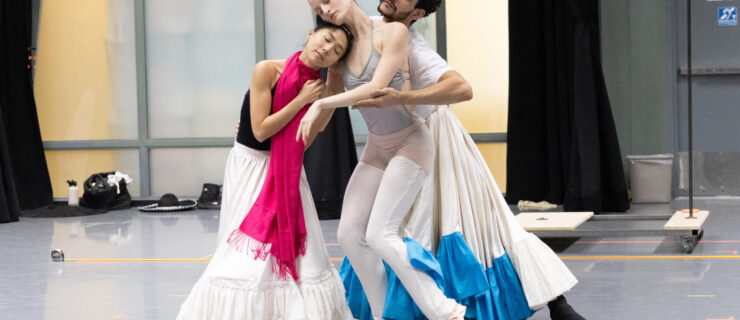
(451, 88)
(393, 58)
(395, 51)
(334, 85)
(264, 124)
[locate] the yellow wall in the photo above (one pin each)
(478, 47)
(72, 87)
(72, 82)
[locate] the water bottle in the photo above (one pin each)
(72, 200)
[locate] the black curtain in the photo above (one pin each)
(329, 163)
(25, 176)
(9, 207)
(562, 141)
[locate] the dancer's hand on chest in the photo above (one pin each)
(311, 91)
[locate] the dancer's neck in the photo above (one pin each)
(357, 22)
(304, 58)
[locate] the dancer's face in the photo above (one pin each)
(333, 11)
(325, 47)
(400, 10)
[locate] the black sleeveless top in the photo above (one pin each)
(245, 135)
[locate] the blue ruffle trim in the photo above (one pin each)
(398, 302)
(505, 299)
(458, 273)
(463, 274)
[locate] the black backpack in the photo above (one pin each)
(99, 195)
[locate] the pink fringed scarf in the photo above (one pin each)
(275, 225)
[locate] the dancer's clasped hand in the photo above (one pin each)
(310, 92)
(385, 97)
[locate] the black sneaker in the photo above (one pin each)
(210, 198)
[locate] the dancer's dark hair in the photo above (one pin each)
(429, 6)
(321, 24)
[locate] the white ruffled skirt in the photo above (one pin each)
(465, 198)
(237, 286)
(464, 232)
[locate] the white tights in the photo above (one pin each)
(375, 204)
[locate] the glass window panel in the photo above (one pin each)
(80, 164)
(85, 81)
(370, 7)
(287, 23)
(428, 28)
(200, 56)
(184, 171)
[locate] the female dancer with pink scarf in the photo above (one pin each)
(398, 156)
(271, 261)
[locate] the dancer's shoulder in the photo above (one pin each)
(393, 34)
(267, 71)
(269, 66)
(395, 29)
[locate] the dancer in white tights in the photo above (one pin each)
(464, 197)
(398, 155)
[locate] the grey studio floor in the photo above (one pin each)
(34, 287)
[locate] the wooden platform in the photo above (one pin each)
(679, 221)
(532, 221)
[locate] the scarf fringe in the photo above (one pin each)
(301, 246)
(241, 241)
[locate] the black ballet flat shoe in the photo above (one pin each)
(561, 310)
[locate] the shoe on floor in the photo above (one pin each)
(561, 310)
(210, 197)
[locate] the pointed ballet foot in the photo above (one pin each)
(561, 310)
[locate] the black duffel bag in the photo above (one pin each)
(100, 195)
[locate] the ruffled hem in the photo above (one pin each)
(398, 302)
(505, 299)
(222, 298)
(495, 293)
(464, 276)
(543, 275)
